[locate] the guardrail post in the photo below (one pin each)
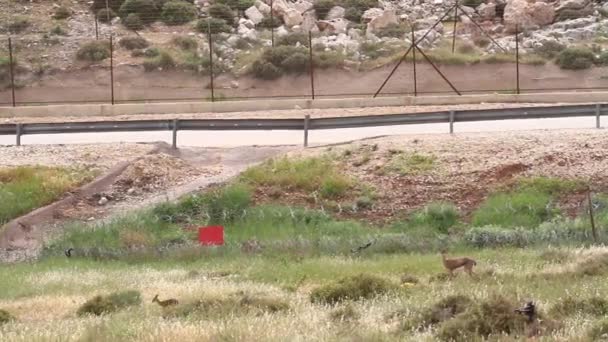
(175, 129)
(517, 59)
(306, 126)
(598, 112)
(19, 133)
(96, 27)
(452, 114)
(210, 40)
(311, 65)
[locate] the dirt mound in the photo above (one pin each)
(152, 173)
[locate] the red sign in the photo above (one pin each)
(212, 235)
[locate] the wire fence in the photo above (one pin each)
(113, 60)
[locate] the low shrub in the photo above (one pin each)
(19, 24)
(58, 31)
(328, 59)
(94, 51)
(152, 52)
(105, 15)
(353, 14)
(322, 7)
(599, 331)
(569, 306)
(466, 48)
(265, 70)
(213, 25)
(178, 12)
(345, 313)
(185, 43)
(602, 60)
(412, 163)
(439, 216)
(495, 315)
(100, 305)
(549, 49)
(335, 186)
(147, 10)
(61, 13)
(362, 286)
(164, 61)
(236, 304)
(443, 310)
(5, 317)
(576, 58)
(271, 22)
(133, 22)
(293, 39)
(393, 30)
(296, 63)
(221, 11)
(133, 43)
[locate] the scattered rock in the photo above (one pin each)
(254, 14)
(336, 12)
(333, 26)
(388, 17)
(103, 201)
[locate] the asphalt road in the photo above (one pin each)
(319, 137)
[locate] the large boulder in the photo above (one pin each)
(309, 22)
(388, 17)
(280, 7)
(527, 15)
(292, 17)
(336, 12)
(333, 26)
(302, 5)
(254, 14)
(262, 7)
(487, 11)
(574, 9)
(371, 14)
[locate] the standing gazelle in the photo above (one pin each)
(455, 263)
(165, 303)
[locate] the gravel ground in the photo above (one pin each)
(292, 113)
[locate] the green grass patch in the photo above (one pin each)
(23, 189)
(412, 164)
(439, 217)
(233, 305)
(529, 204)
(305, 174)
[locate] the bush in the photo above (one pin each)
(271, 22)
(599, 331)
(293, 39)
(328, 59)
(412, 164)
(105, 15)
(238, 304)
(265, 70)
(335, 186)
(59, 31)
(595, 306)
(114, 5)
(575, 58)
(185, 43)
(438, 216)
(344, 314)
(18, 24)
(100, 305)
(214, 25)
(296, 63)
(163, 61)
(221, 11)
(353, 14)
(441, 311)
(549, 49)
(466, 48)
(602, 60)
(472, 3)
(178, 12)
(393, 30)
(151, 52)
(493, 316)
(133, 43)
(133, 22)
(147, 10)
(362, 286)
(5, 317)
(94, 51)
(243, 5)
(515, 209)
(322, 7)
(61, 13)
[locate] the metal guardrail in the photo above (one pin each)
(306, 123)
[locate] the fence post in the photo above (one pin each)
(452, 114)
(414, 56)
(598, 112)
(11, 67)
(19, 133)
(96, 28)
(455, 22)
(312, 67)
(175, 127)
(271, 23)
(209, 39)
(112, 68)
(593, 231)
(517, 56)
(306, 126)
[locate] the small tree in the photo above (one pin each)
(178, 13)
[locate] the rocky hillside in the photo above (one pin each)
(351, 34)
